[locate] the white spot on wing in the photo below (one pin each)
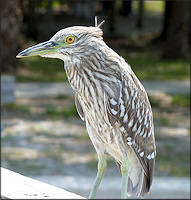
(127, 94)
(142, 132)
(129, 143)
(142, 153)
(125, 119)
(149, 134)
(129, 139)
(138, 106)
(140, 119)
(139, 129)
(150, 124)
(149, 157)
(114, 112)
(134, 127)
(145, 120)
(147, 125)
(135, 94)
(152, 155)
(149, 118)
(133, 104)
(131, 123)
(132, 93)
(138, 112)
(122, 128)
(126, 83)
(144, 136)
(122, 107)
(113, 102)
(142, 110)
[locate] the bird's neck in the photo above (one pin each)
(96, 67)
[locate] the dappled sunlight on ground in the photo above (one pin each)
(37, 141)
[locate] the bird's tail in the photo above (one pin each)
(141, 188)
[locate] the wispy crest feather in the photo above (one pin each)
(96, 23)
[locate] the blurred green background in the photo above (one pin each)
(45, 136)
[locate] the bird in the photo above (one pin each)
(111, 100)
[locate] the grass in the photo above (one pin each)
(154, 6)
(27, 165)
(164, 121)
(149, 67)
(63, 96)
(22, 109)
(154, 101)
(68, 111)
(53, 112)
(167, 163)
(83, 136)
(37, 69)
(50, 154)
(150, 6)
(170, 160)
(181, 100)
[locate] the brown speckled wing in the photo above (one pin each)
(132, 110)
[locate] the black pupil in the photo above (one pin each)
(70, 39)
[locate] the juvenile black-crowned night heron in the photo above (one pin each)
(111, 100)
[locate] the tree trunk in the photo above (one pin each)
(10, 34)
(140, 19)
(176, 30)
(113, 15)
(47, 22)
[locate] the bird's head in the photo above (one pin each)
(66, 43)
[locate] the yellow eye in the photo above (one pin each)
(70, 39)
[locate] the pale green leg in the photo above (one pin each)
(124, 173)
(102, 165)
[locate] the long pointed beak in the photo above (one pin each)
(44, 48)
